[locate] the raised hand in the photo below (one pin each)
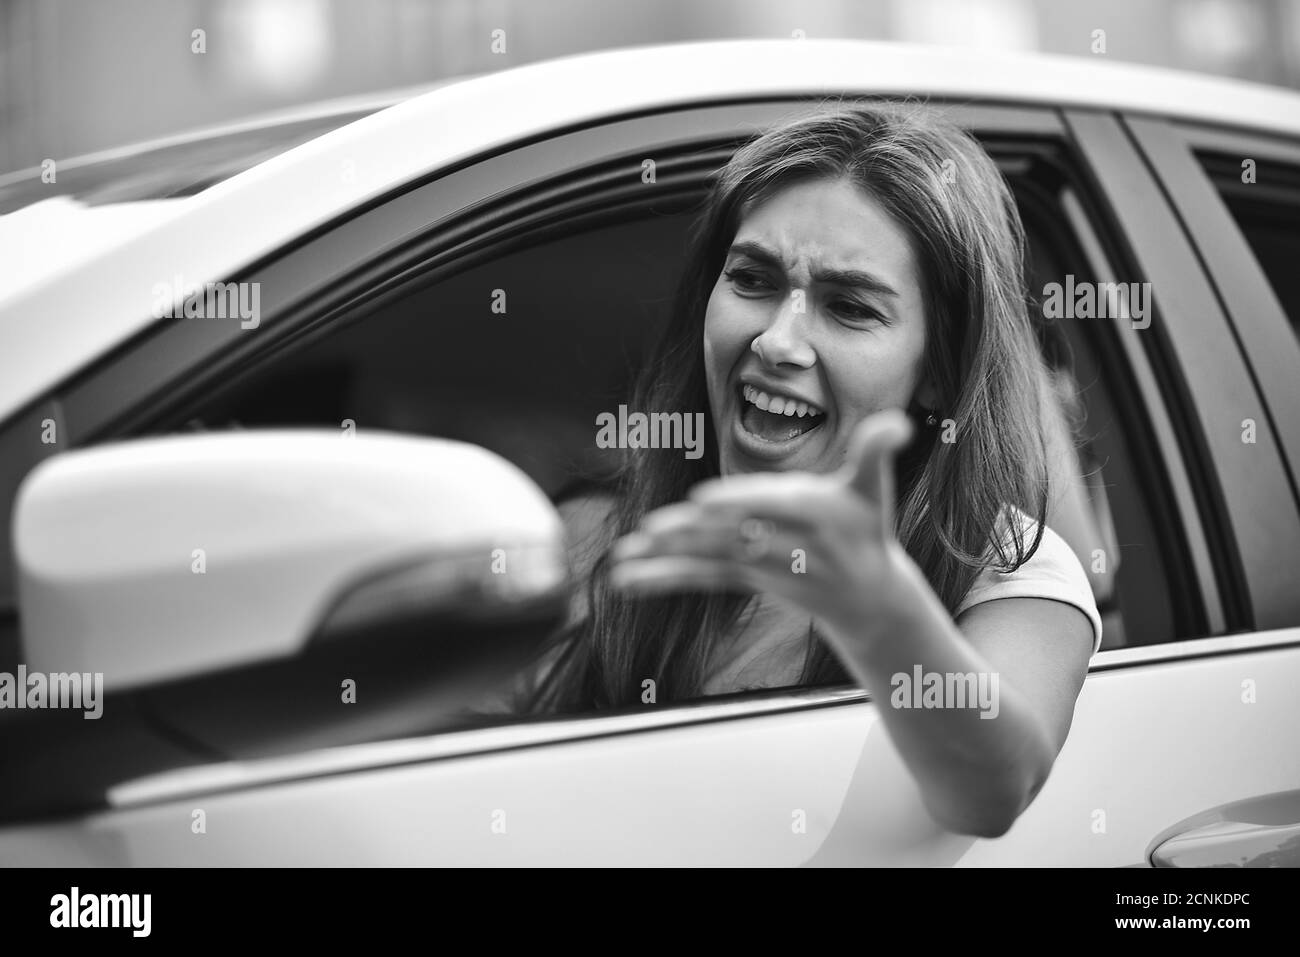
(824, 542)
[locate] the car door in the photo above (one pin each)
(796, 776)
(1188, 747)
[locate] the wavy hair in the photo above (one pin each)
(981, 354)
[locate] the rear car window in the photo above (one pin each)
(1264, 200)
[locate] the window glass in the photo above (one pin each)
(1264, 199)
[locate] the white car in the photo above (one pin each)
(480, 265)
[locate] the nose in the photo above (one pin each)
(785, 340)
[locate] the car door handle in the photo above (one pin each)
(1258, 832)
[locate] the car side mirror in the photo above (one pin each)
(171, 558)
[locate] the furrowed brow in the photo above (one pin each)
(834, 277)
(856, 277)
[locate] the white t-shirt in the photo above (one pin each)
(1053, 572)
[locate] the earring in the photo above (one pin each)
(931, 420)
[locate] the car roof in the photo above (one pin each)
(54, 321)
(182, 164)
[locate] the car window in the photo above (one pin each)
(1263, 196)
(522, 352)
(519, 355)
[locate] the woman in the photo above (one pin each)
(872, 499)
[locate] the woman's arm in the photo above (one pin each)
(884, 621)
(976, 773)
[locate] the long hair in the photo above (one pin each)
(954, 481)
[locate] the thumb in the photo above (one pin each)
(869, 464)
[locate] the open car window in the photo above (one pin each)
(522, 350)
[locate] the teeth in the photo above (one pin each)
(778, 405)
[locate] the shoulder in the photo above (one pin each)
(1052, 572)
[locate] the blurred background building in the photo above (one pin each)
(84, 75)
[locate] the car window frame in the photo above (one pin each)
(1247, 506)
(1268, 337)
(671, 133)
(1003, 122)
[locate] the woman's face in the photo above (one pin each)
(815, 323)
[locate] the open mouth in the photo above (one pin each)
(774, 418)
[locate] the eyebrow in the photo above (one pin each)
(839, 277)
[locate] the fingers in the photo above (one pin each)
(789, 498)
(869, 465)
(689, 547)
(708, 535)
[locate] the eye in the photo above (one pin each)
(748, 281)
(854, 311)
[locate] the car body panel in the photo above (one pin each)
(1149, 746)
